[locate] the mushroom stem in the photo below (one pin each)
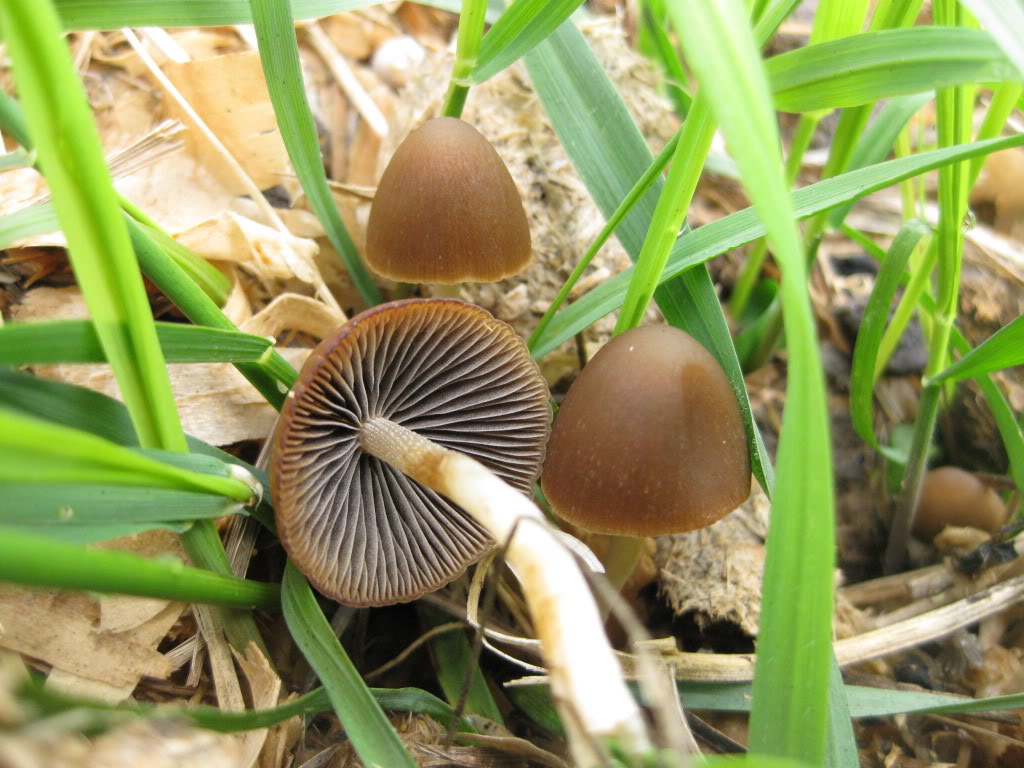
(586, 678)
(621, 558)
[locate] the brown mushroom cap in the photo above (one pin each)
(649, 439)
(360, 530)
(446, 210)
(953, 496)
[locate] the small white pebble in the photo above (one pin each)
(397, 59)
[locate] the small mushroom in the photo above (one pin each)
(649, 441)
(953, 496)
(408, 445)
(447, 211)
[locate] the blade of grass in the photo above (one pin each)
(608, 152)
(521, 27)
(371, 734)
(1003, 349)
(876, 313)
(653, 41)
(877, 65)
(877, 141)
(37, 451)
(789, 715)
(1005, 22)
(842, 743)
(75, 341)
(742, 227)
(279, 53)
(57, 505)
(42, 562)
(50, 701)
(67, 142)
(95, 533)
(637, 191)
(471, 29)
(670, 212)
(453, 659)
(954, 111)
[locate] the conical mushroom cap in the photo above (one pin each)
(649, 440)
(447, 211)
(361, 531)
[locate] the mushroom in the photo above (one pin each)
(648, 441)
(953, 496)
(409, 445)
(446, 210)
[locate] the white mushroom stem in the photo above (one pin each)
(586, 678)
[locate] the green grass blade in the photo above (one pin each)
(637, 191)
(743, 227)
(876, 142)
(56, 505)
(1009, 426)
(28, 222)
(842, 742)
(872, 326)
(1004, 20)
(789, 715)
(94, 533)
(654, 42)
(670, 212)
(50, 701)
(272, 378)
(876, 65)
(76, 341)
(371, 734)
(67, 142)
(609, 154)
(279, 53)
(1003, 349)
(521, 27)
(36, 451)
(38, 561)
(453, 658)
(97, 14)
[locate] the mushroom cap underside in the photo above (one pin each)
(360, 530)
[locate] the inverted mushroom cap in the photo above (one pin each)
(954, 496)
(447, 211)
(649, 439)
(360, 530)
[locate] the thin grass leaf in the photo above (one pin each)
(279, 53)
(872, 326)
(609, 154)
(371, 734)
(525, 24)
(1003, 349)
(877, 65)
(76, 341)
(862, 701)
(42, 562)
(36, 451)
(789, 715)
(114, 14)
(19, 158)
(742, 227)
(1004, 20)
(842, 742)
(64, 505)
(95, 533)
(28, 222)
(653, 41)
(877, 141)
(272, 378)
(453, 659)
(66, 139)
(51, 702)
